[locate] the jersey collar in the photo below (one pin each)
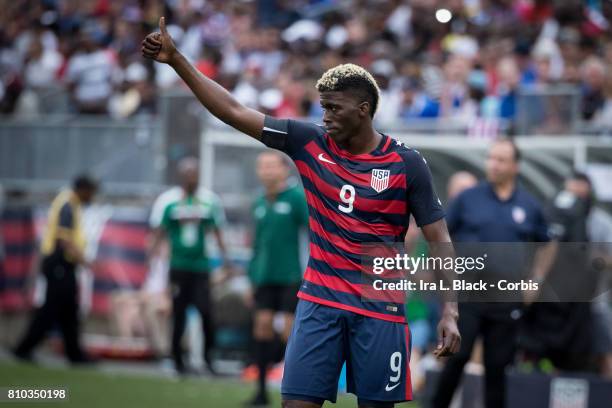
(374, 154)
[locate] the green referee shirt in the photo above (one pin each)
(416, 307)
(186, 221)
(276, 259)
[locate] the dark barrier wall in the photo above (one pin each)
(19, 252)
(120, 261)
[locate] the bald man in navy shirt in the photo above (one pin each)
(496, 210)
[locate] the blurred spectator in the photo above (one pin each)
(508, 75)
(89, 74)
(391, 96)
(417, 104)
(603, 118)
(593, 74)
(455, 100)
(41, 65)
(246, 90)
(291, 92)
(545, 55)
(466, 70)
(133, 92)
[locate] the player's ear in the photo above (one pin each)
(364, 109)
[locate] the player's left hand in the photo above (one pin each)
(449, 339)
(159, 46)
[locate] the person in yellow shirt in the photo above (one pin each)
(62, 250)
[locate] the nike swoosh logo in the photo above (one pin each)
(267, 129)
(387, 388)
(323, 159)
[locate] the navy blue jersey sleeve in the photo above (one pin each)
(423, 202)
(453, 213)
(541, 229)
(288, 135)
(65, 216)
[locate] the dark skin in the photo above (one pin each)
(449, 339)
(348, 120)
(86, 195)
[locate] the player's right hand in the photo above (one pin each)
(449, 339)
(159, 46)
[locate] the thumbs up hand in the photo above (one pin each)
(159, 46)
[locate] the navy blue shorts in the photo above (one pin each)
(376, 352)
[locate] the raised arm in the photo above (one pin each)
(160, 47)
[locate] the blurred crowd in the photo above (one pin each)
(269, 53)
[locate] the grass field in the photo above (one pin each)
(92, 389)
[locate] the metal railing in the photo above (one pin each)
(137, 156)
(127, 157)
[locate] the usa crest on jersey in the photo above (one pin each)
(380, 179)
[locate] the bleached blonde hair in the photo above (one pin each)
(351, 78)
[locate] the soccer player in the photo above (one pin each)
(188, 214)
(361, 186)
(275, 272)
